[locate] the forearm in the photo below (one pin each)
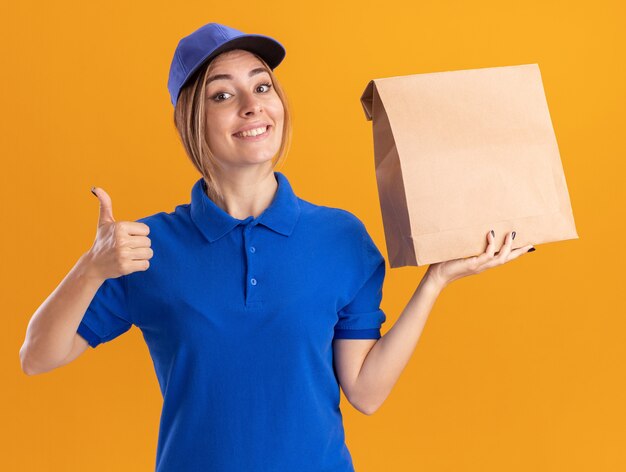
(389, 356)
(51, 330)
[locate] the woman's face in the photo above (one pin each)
(244, 100)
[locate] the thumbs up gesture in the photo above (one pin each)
(121, 247)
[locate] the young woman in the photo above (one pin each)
(255, 305)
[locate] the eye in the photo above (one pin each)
(268, 85)
(216, 98)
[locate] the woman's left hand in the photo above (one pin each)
(449, 271)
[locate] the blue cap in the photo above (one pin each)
(210, 40)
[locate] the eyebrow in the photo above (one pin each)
(253, 72)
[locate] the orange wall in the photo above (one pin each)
(518, 368)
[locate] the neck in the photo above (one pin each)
(246, 192)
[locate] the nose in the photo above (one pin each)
(251, 105)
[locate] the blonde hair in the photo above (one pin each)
(189, 119)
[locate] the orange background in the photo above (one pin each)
(519, 368)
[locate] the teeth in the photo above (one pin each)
(252, 132)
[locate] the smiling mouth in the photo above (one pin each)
(257, 137)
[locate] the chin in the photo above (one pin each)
(254, 160)
(263, 156)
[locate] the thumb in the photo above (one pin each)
(106, 206)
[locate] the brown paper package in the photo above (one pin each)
(460, 153)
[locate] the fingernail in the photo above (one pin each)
(492, 233)
(531, 249)
(513, 235)
(92, 191)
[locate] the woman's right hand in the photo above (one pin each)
(121, 247)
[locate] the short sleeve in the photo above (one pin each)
(107, 315)
(362, 317)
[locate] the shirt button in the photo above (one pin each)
(253, 281)
(252, 249)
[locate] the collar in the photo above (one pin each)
(280, 216)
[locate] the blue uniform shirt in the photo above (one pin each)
(239, 318)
